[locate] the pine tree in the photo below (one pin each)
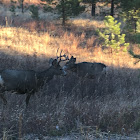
(34, 12)
(47, 5)
(112, 36)
(131, 13)
(67, 8)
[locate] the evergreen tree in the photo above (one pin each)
(76, 8)
(34, 12)
(67, 8)
(64, 10)
(131, 13)
(112, 36)
(13, 7)
(47, 5)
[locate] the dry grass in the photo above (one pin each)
(68, 102)
(22, 42)
(87, 23)
(25, 1)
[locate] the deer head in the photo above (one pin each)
(84, 69)
(29, 81)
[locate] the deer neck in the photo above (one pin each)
(45, 75)
(74, 67)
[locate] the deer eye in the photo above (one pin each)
(60, 68)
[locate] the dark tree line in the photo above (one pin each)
(67, 8)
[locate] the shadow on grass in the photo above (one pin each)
(134, 38)
(69, 103)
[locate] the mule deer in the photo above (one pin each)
(85, 69)
(28, 81)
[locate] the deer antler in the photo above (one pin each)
(61, 56)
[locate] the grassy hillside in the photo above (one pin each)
(67, 105)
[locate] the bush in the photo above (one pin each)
(112, 36)
(12, 7)
(34, 12)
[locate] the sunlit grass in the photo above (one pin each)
(87, 23)
(24, 42)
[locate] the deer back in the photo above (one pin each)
(19, 80)
(83, 69)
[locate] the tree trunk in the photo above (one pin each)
(63, 13)
(22, 7)
(135, 23)
(112, 8)
(93, 7)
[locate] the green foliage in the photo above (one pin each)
(138, 26)
(47, 8)
(64, 10)
(76, 8)
(131, 19)
(34, 12)
(13, 7)
(135, 38)
(112, 36)
(67, 8)
(128, 5)
(47, 5)
(130, 13)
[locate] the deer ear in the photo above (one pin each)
(50, 61)
(73, 59)
(54, 63)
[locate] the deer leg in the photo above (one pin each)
(3, 98)
(27, 99)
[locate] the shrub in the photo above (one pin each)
(112, 36)
(34, 12)
(12, 7)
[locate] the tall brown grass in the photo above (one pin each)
(68, 104)
(20, 42)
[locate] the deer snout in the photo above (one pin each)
(64, 70)
(1, 81)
